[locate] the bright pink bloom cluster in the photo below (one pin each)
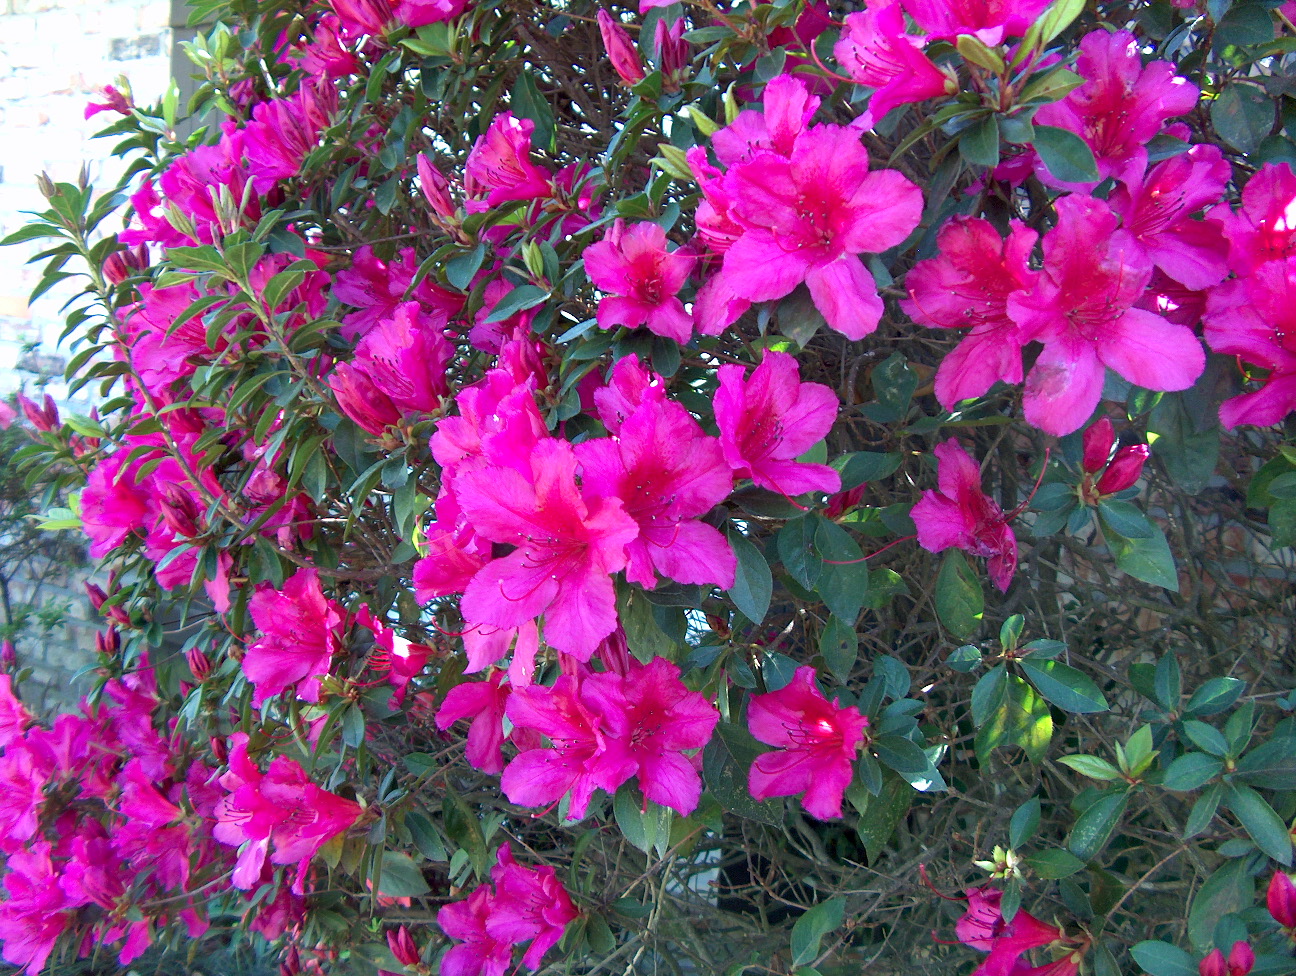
(300, 632)
(817, 743)
(521, 904)
(642, 280)
(983, 928)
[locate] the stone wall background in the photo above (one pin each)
(55, 57)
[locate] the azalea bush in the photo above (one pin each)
(744, 488)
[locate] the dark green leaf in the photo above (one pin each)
(844, 582)
(1054, 864)
(1067, 156)
(1230, 889)
(1203, 811)
(862, 467)
(1125, 519)
(880, 813)
(1147, 559)
(1064, 686)
(1190, 771)
(810, 928)
(964, 659)
(1266, 828)
(1163, 959)
(988, 694)
(1243, 115)
(726, 762)
(796, 551)
(753, 583)
(1024, 823)
(529, 103)
(518, 300)
(425, 836)
(460, 270)
(979, 143)
(1215, 696)
(1094, 827)
(839, 646)
(960, 602)
(401, 877)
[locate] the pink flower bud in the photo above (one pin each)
(8, 654)
(674, 54)
(199, 664)
(436, 188)
(1124, 470)
(1098, 441)
(179, 510)
(843, 502)
(1281, 899)
(621, 50)
(120, 265)
(114, 101)
(108, 642)
(96, 594)
(219, 749)
(1213, 965)
(291, 964)
(45, 417)
(402, 946)
(1241, 959)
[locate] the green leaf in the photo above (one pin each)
(797, 553)
(353, 726)
(844, 582)
(529, 103)
(1270, 762)
(1266, 828)
(1230, 889)
(644, 636)
(401, 877)
(1203, 811)
(1190, 771)
(863, 467)
(1206, 737)
(964, 659)
(425, 836)
(726, 762)
(518, 300)
(1094, 827)
(810, 928)
(753, 582)
(1091, 766)
(900, 754)
(1163, 959)
(894, 384)
(1024, 823)
(979, 143)
(1187, 438)
(881, 813)
(1022, 720)
(1067, 156)
(1147, 559)
(839, 646)
(644, 824)
(960, 602)
(1054, 864)
(1124, 518)
(460, 271)
(1067, 688)
(1243, 115)
(1167, 682)
(1215, 696)
(988, 694)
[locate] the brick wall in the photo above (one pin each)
(55, 56)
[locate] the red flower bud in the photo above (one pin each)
(1213, 965)
(1124, 469)
(1240, 959)
(291, 964)
(8, 654)
(44, 417)
(402, 946)
(1098, 441)
(220, 751)
(108, 642)
(96, 594)
(179, 510)
(1281, 899)
(843, 501)
(674, 54)
(621, 50)
(436, 189)
(199, 663)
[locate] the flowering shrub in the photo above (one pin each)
(558, 434)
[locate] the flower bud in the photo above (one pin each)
(843, 502)
(291, 964)
(436, 189)
(45, 417)
(1241, 959)
(674, 54)
(96, 594)
(108, 642)
(219, 749)
(114, 101)
(1213, 965)
(402, 946)
(621, 50)
(1281, 899)
(179, 510)
(199, 664)
(1124, 469)
(1098, 441)
(8, 654)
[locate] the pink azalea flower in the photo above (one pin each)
(283, 131)
(653, 717)
(817, 744)
(530, 903)
(480, 953)
(377, 288)
(324, 55)
(983, 928)
(499, 167)
(23, 778)
(1122, 104)
(580, 759)
(36, 912)
(1083, 311)
(967, 287)
(14, 717)
(280, 809)
(642, 279)
(484, 702)
(1264, 227)
(667, 473)
(113, 505)
(877, 52)
(962, 516)
(769, 419)
(989, 20)
(1280, 899)
(1156, 210)
(1254, 318)
(569, 543)
(808, 216)
(300, 633)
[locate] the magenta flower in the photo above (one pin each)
(113, 504)
(530, 904)
(817, 744)
(967, 286)
(569, 543)
(989, 20)
(14, 717)
(1254, 318)
(1264, 227)
(36, 912)
(877, 52)
(280, 808)
(499, 167)
(642, 280)
(653, 718)
(808, 216)
(1240, 961)
(580, 759)
(666, 473)
(484, 702)
(377, 289)
(1122, 104)
(1156, 210)
(1083, 311)
(480, 953)
(769, 419)
(983, 928)
(283, 132)
(1280, 899)
(621, 50)
(962, 516)
(300, 633)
